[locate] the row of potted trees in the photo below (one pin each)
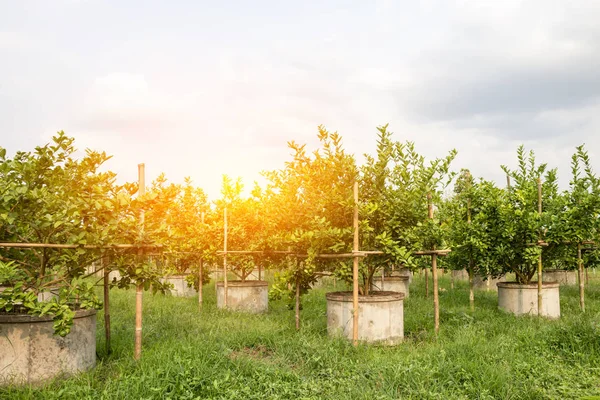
(303, 212)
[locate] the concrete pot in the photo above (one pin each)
(115, 274)
(180, 286)
(404, 272)
(31, 353)
(461, 275)
(380, 316)
(249, 296)
(398, 284)
(522, 299)
(487, 283)
(562, 276)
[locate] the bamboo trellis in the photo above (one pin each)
(356, 254)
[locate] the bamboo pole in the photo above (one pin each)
(580, 278)
(75, 246)
(201, 271)
(436, 299)
(355, 271)
(139, 289)
(471, 266)
(539, 271)
(106, 304)
(225, 257)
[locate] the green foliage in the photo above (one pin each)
(394, 185)
(471, 215)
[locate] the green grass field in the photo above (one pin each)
(225, 355)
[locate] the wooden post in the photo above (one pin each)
(139, 289)
(225, 258)
(539, 271)
(200, 271)
(436, 300)
(507, 181)
(106, 303)
(580, 278)
(355, 271)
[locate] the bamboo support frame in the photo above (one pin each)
(76, 246)
(436, 297)
(106, 290)
(539, 270)
(200, 272)
(225, 257)
(139, 289)
(355, 270)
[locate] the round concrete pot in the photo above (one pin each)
(380, 316)
(487, 283)
(404, 272)
(460, 274)
(562, 276)
(398, 284)
(180, 286)
(522, 299)
(31, 353)
(249, 296)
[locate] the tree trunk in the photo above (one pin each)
(471, 291)
(426, 283)
(297, 305)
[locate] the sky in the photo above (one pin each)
(206, 88)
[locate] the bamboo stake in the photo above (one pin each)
(539, 282)
(297, 308)
(106, 304)
(580, 278)
(426, 282)
(139, 289)
(225, 258)
(436, 300)
(200, 272)
(355, 271)
(75, 246)
(471, 266)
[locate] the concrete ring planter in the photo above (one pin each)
(380, 316)
(562, 276)
(488, 283)
(180, 286)
(249, 296)
(398, 284)
(31, 353)
(403, 272)
(461, 274)
(522, 299)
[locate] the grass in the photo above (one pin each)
(225, 355)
